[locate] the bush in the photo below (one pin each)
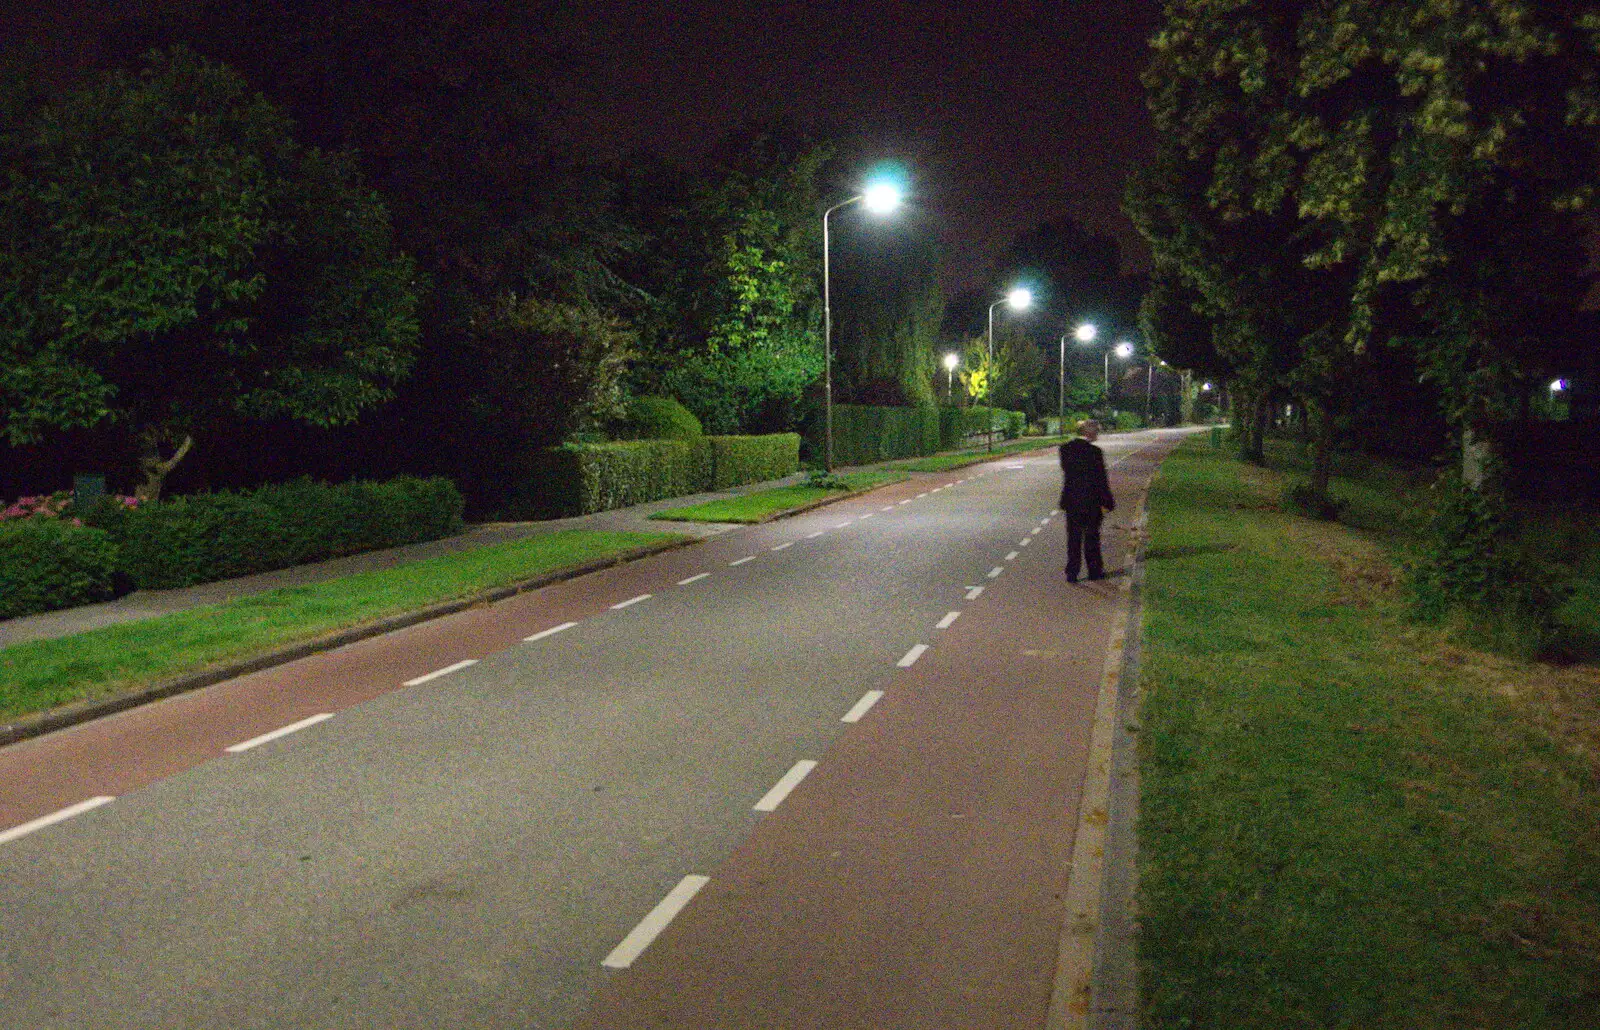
(659, 418)
(1015, 423)
(580, 479)
(737, 460)
(863, 434)
(47, 564)
(1304, 498)
(1127, 420)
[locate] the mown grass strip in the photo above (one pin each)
(956, 459)
(763, 504)
(40, 675)
(1344, 821)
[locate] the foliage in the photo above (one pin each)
(48, 563)
(864, 434)
(737, 460)
(176, 260)
(1302, 497)
(659, 418)
(819, 478)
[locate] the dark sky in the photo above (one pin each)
(1007, 112)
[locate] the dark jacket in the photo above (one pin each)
(1084, 486)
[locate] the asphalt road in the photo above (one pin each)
(479, 848)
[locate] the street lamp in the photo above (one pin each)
(1149, 375)
(1018, 298)
(1124, 350)
(881, 198)
(950, 363)
(1083, 334)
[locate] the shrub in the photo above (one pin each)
(198, 539)
(821, 479)
(1015, 423)
(1127, 420)
(579, 479)
(47, 564)
(863, 434)
(737, 460)
(1306, 499)
(956, 424)
(659, 418)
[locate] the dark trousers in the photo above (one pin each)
(1083, 544)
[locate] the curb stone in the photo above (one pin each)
(61, 718)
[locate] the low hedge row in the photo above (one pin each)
(864, 434)
(582, 478)
(47, 563)
(956, 424)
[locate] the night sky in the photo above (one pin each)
(1006, 113)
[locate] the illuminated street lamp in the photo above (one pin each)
(1123, 350)
(950, 363)
(1083, 334)
(881, 198)
(1018, 299)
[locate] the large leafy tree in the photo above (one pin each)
(173, 260)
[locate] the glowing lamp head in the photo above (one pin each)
(1557, 385)
(1020, 298)
(882, 198)
(1206, 387)
(1124, 349)
(1084, 333)
(950, 362)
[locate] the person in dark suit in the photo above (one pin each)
(1085, 491)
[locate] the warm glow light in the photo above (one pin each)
(881, 198)
(1020, 298)
(951, 361)
(1084, 333)
(1124, 349)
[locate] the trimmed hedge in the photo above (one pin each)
(46, 564)
(956, 424)
(660, 418)
(583, 478)
(863, 434)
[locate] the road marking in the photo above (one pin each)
(780, 790)
(1044, 521)
(842, 524)
(945, 622)
(632, 600)
(1016, 466)
(697, 577)
(7, 836)
(552, 631)
(911, 656)
(996, 571)
(906, 501)
(435, 674)
(650, 926)
(922, 495)
(868, 515)
(283, 731)
(784, 547)
(1025, 541)
(1011, 556)
(973, 592)
(887, 507)
(813, 536)
(863, 706)
(739, 561)
(1036, 531)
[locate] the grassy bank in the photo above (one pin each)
(1348, 820)
(43, 674)
(764, 504)
(957, 459)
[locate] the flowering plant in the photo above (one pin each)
(55, 506)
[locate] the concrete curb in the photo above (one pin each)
(86, 711)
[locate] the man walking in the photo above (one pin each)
(1085, 490)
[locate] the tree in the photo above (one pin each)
(174, 260)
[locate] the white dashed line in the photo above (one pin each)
(697, 577)
(784, 547)
(813, 536)
(780, 790)
(922, 495)
(911, 656)
(906, 501)
(7, 836)
(650, 926)
(1036, 530)
(1025, 541)
(1011, 556)
(995, 571)
(1044, 521)
(282, 731)
(632, 600)
(945, 622)
(741, 561)
(435, 674)
(552, 631)
(868, 515)
(973, 592)
(863, 706)
(887, 507)
(842, 524)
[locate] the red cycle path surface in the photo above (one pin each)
(916, 878)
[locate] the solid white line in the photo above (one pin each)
(697, 577)
(631, 600)
(780, 790)
(887, 507)
(813, 536)
(435, 674)
(1011, 556)
(741, 561)
(7, 836)
(945, 622)
(552, 631)
(282, 731)
(784, 547)
(911, 656)
(996, 571)
(973, 592)
(863, 706)
(650, 926)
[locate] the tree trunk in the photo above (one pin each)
(154, 466)
(1477, 459)
(1253, 435)
(1319, 424)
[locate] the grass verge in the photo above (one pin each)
(44, 674)
(1346, 820)
(763, 504)
(956, 459)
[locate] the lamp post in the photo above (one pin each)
(1149, 375)
(1123, 350)
(1083, 334)
(879, 198)
(1018, 299)
(950, 363)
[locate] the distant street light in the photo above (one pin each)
(1557, 385)
(1123, 350)
(950, 363)
(880, 198)
(1083, 334)
(1018, 298)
